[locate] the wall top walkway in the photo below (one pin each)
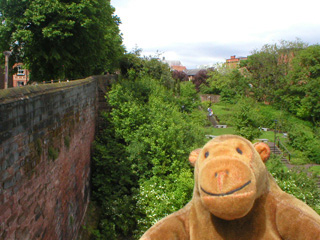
(13, 94)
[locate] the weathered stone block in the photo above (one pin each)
(9, 182)
(35, 192)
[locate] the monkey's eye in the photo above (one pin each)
(239, 151)
(206, 154)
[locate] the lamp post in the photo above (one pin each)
(275, 133)
(6, 68)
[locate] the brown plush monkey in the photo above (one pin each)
(235, 197)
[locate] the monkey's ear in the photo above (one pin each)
(263, 149)
(194, 156)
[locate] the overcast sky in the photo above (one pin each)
(207, 31)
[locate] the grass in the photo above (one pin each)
(219, 131)
(315, 169)
(223, 111)
(230, 130)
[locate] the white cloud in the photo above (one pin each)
(192, 31)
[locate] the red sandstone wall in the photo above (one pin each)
(45, 144)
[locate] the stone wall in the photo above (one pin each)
(210, 97)
(46, 133)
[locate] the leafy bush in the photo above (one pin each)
(299, 184)
(141, 171)
(113, 183)
(302, 138)
(158, 197)
(188, 99)
(245, 120)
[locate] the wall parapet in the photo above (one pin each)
(46, 133)
(13, 94)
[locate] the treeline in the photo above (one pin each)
(285, 75)
(141, 171)
(61, 39)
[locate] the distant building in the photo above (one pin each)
(20, 78)
(192, 73)
(175, 65)
(234, 62)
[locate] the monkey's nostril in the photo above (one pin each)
(222, 173)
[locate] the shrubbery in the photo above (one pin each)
(302, 137)
(160, 196)
(245, 119)
(299, 184)
(141, 171)
(247, 116)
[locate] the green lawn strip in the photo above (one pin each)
(223, 112)
(315, 169)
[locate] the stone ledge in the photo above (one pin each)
(13, 94)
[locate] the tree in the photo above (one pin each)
(178, 75)
(200, 78)
(269, 66)
(303, 93)
(229, 83)
(140, 160)
(245, 119)
(59, 39)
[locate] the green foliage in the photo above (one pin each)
(302, 137)
(303, 94)
(222, 111)
(113, 182)
(160, 196)
(200, 78)
(133, 66)
(229, 83)
(130, 61)
(58, 39)
(299, 184)
(315, 169)
(159, 71)
(287, 75)
(151, 120)
(245, 119)
(142, 154)
(268, 68)
(53, 153)
(270, 117)
(188, 99)
(67, 141)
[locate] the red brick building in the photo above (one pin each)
(178, 68)
(175, 65)
(21, 77)
(234, 62)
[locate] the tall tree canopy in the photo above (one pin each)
(59, 39)
(302, 95)
(269, 66)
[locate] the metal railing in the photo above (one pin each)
(280, 145)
